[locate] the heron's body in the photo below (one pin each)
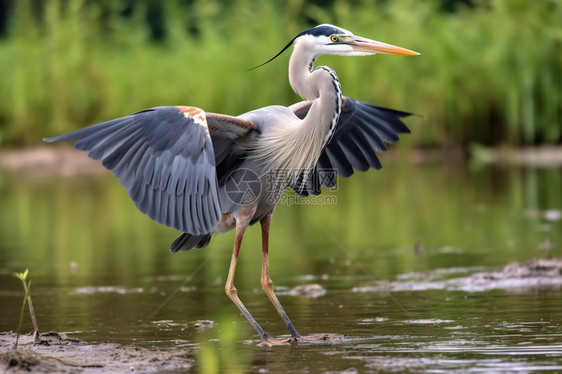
(206, 173)
(236, 168)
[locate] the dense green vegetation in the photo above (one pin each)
(490, 71)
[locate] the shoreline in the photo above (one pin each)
(67, 161)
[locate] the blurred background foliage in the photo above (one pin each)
(490, 73)
(490, 70)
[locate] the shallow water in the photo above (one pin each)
(101, 272)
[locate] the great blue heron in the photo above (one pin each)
(206, 173)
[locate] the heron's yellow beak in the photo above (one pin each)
(372, 46)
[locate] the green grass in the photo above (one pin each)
(490, 73)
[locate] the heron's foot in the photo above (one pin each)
(268, 341)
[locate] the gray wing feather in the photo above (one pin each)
(362, 130)
(228, 134)
(164, 157)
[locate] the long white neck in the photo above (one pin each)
(320, 85)
(296, 148)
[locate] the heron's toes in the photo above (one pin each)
(268, 341)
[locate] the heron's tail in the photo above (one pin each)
(186, 241)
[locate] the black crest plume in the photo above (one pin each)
(277, 55)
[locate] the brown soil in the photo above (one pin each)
(54, 352)
(45, 160)
(65, 160)
(535, 274)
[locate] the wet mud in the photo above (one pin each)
(544, 273)
(54, 352)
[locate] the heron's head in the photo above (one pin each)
(328, 39)
(332, 40)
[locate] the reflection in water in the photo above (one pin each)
(101, 272)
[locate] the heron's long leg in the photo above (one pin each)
(267, 285)
(266, 282)
(233, 293)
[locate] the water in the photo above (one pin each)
(101, 272)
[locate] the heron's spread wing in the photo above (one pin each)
(164, 157)
(362, 130)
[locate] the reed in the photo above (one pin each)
(490, 73)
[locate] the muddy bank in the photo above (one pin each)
(535, 274)
(43, 160)
(54, 352)
(65, 160)
(543, 156)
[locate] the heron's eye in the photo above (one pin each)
(334, 38)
